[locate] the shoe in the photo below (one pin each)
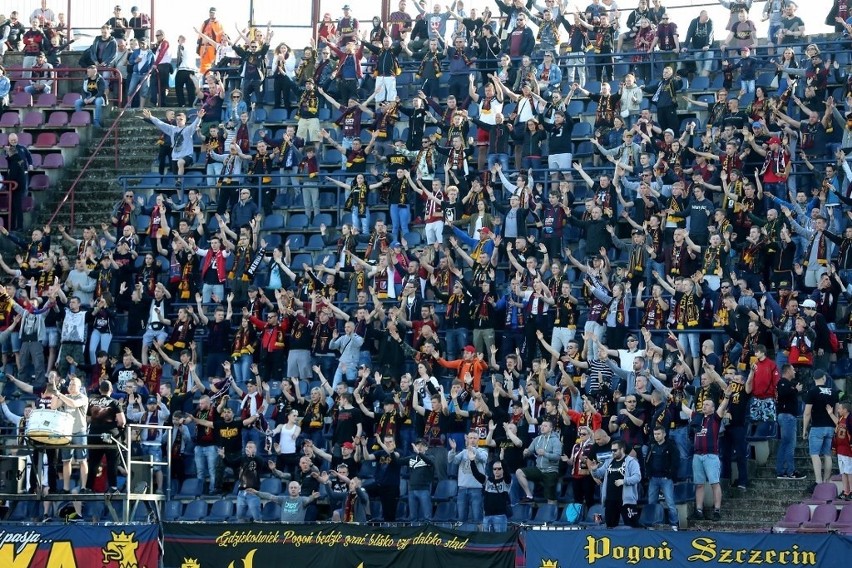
(783, 476)
(85, 491)
(717, 516)
(63, 492)
(46, 519)
(73, 518)
(675, 528)
(526, 500)
(797, 475)
(741, 487)
(844, 497)
(697, 515)
(113, 491)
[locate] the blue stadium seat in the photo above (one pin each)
(271, 512)
(259, 115)
(545, 513)
(277, 115)
(582, 130)
(521, 513)
(445, 513)
(271, 485)
(315, 243)
(221, 511)
(297, 222)
(321, 219)
(190, 489)
(195, 510)
(297, 241)
(173, 511)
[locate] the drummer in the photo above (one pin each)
(38, 477)
(75, 403)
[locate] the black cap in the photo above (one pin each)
(151, 400)
(388, 400)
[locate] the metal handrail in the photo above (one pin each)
(113, 129)
(9, 187)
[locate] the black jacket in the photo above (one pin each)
(670, 459)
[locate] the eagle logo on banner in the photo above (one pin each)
(122, 549)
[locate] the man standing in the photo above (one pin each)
(185, 75)
(706, 465)
(212, 29)
(661, 468)
(106, 419)
(20, 163)
(422, 470)
(248, 479)
(75, 403)
(496, 497)
(294, 506)
(163, 65)
(469, 503)
(620, 489)
(180, 133)
(547, 449)
(818, 427)
(386, 486)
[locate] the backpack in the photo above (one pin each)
(574, 513)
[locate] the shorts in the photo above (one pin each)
(77, 454)
(308, 129)
(819, 440)
(12, 343)
(482, 137)
(299, 364)
(548, 481)
(706, 468)
(156, 452)
(561, 162)
(52, 334)
(845, 464)
(188, 160)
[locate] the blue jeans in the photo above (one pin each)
(784, 463)
(98, 342)
(666, 485)
(456, 340)
(502, 158)
(495, 523)
(207, 291)
(419, 505)
(205, 459)
(361, 223)
(242, 368)
(400, 218)
(469, 505)
(680, 436)
(99, 102)
(351, 374)
(248, 501)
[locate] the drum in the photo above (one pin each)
(50, 427)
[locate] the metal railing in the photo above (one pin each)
(8, 188)
(69, 197)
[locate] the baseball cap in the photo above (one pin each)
(470, 349)
(388, 400)
(809, 304)
(484, 231)
(348, 445)
(395, 244)
(784, 285)
(757, 124)
(669, 131)
(637, 232)
(774, 140)
(151, 400)
(420, 442)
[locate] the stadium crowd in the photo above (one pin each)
(533, 316)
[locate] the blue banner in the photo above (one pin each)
(661, 549)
